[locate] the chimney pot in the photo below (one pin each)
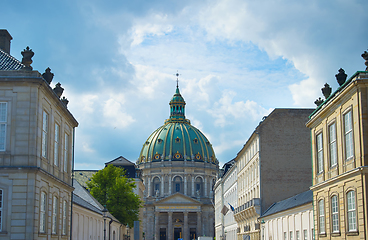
(5, 39)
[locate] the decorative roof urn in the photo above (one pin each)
(318, 101)
(326, 90)
(58, 90)
(27, 58)
(48, 75)
(65, 101)
(365, 56)
(341, 76)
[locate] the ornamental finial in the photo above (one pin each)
(177, 78)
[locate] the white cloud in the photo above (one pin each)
(115, 115)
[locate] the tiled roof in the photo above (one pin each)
(294, 201)
(81, 202)
(8, 62)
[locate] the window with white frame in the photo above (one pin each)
(351, 211)
(297, 236)
(285, 236)
(348, 134)
(45, 126)
(305, 234)
(291, 235)
(64, 217)
(1, 210)
(54, 215)
(3, 124)
(319, 153)
(56, 145)
(321, 216)
(43, 212)
(332, 143)
(66, 150)
(335, 213)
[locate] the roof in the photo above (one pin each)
(120, 161)
(83, 176)
(294, 201)
(8, 62)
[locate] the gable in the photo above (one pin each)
(178, 199)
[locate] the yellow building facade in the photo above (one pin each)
(339, 135)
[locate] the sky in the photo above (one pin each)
(237, 59)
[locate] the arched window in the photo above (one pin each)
(156, 186)
(178, 184)
(352, 226)
(199, 186)
(43, 202)
(54, 215)
(64, 216)
(321, 216)
(335, 213)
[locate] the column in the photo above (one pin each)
(205, 186)
(157, 226)
(162, 185)
(186, 230)
(170, 188)
(193, 186)
(199, 224)
(149, 186)
(185, 185)
(170, 226)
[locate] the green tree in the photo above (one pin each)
(114, 190)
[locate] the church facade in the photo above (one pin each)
(179, 168)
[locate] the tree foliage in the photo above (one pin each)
(114, 190)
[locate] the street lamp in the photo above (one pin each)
(128, 236)
(104, 215)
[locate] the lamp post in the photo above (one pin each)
(128, 236)
(104, 215)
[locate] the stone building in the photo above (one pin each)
(226, 199)
(36, 151)
(179, 168)
(272, 165)
(339, 132)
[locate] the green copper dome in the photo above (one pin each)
(177, 139)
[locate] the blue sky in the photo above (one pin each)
(238, 60)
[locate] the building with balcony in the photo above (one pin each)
(226, 200)
(274, 164)
(339, 135)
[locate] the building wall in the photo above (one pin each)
(287, 225)
(24, 172)
(350, 171)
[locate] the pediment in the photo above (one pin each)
(178, 199)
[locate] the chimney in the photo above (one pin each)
(5, 39)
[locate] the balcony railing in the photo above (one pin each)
(251, 203)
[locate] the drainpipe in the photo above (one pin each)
(71, 199)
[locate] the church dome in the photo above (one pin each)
(177, 139)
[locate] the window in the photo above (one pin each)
(45, 125)
(54, 215)
(335, 214)
(285, 236)
(56, 145)
(297, 235)
(3, 121)
(43, 212)
(177, 187)
(321, 216)
(319, 153)
(291, 235)
(1, 210)
(348, 133)
(66, 150)
(64, 217)
(305, 234)
(351, 211)
(312, 234)
(333, 149)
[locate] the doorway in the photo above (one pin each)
(162, 233)
(193, 234)
(177, 233)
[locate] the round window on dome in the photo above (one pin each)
(177, 140)
(195, 140)
(159, 140)
(198, 156)
(157, 156)
(177, 155)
